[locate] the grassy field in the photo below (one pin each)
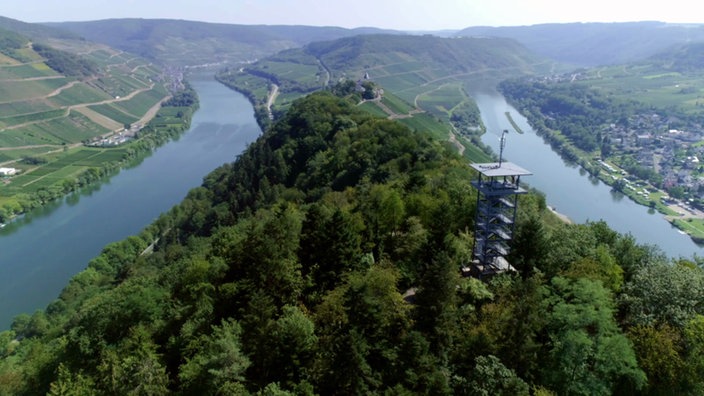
(19, 90)
(79, 93)
(693, 227)
(652, 85)
(22, 71)
(442, 99)
(373, 108)
(114, 112)
(304, 74)
(426, 123)
(396, 104)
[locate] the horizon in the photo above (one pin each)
(389, 14)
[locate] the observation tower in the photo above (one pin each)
(498, 187)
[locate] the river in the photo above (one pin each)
(568, 188)
(42, 250)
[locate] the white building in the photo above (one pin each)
(7, 171)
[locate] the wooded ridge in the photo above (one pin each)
(326, 259)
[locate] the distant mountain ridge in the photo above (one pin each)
(684, 58)
(184, 42)
(35, 30)
(593, 44)
(460, 54)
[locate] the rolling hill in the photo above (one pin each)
(407, 65)
(424, 81)
(62, 101)
(178, 42)
(591, 44)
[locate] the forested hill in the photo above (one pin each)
(35, 30)
(179, 42)
(326, 260)
(591, 44)
(685, 58)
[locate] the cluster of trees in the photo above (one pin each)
(10, 42)
(186, 97)
(326, 260)
(466, 117)
(66, 63)
(575, 110)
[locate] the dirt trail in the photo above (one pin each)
(453, 140)
(32, 78)
(271, 98)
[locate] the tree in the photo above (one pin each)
(133, 367)
(330, 245)
(663, 293)
(218, 362)
(659, 355)
(587, 355)
(436, 302)
(529, 246)
(70, 384)
(360, 324)
(490, 377)
(293, 345)
(694, 342)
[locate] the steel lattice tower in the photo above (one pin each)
(498, 187)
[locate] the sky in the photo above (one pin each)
(414, 15)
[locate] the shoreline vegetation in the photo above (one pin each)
(640, 192)
(171, 120)
(305, 252)
(513, 123)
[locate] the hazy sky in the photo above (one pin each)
(392, 14)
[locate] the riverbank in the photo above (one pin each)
(513, 123)
(640, 192)
(559, 215)
(571, 189)
(43, 249)
(685, 218)
(57, 174)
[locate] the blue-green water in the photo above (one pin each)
(41, 251)
(569, 189)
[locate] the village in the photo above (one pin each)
(673, 155)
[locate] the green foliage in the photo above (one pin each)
(10, 42)
(663, 293)
(659, 353)
(64, 62)
(588, 354)
(491, 377)
(326, 260)
(218, 362)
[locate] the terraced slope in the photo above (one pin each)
(424, 81)
(57, 98)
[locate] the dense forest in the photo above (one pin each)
(10, 42)
(326, 260)
(577, 111)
